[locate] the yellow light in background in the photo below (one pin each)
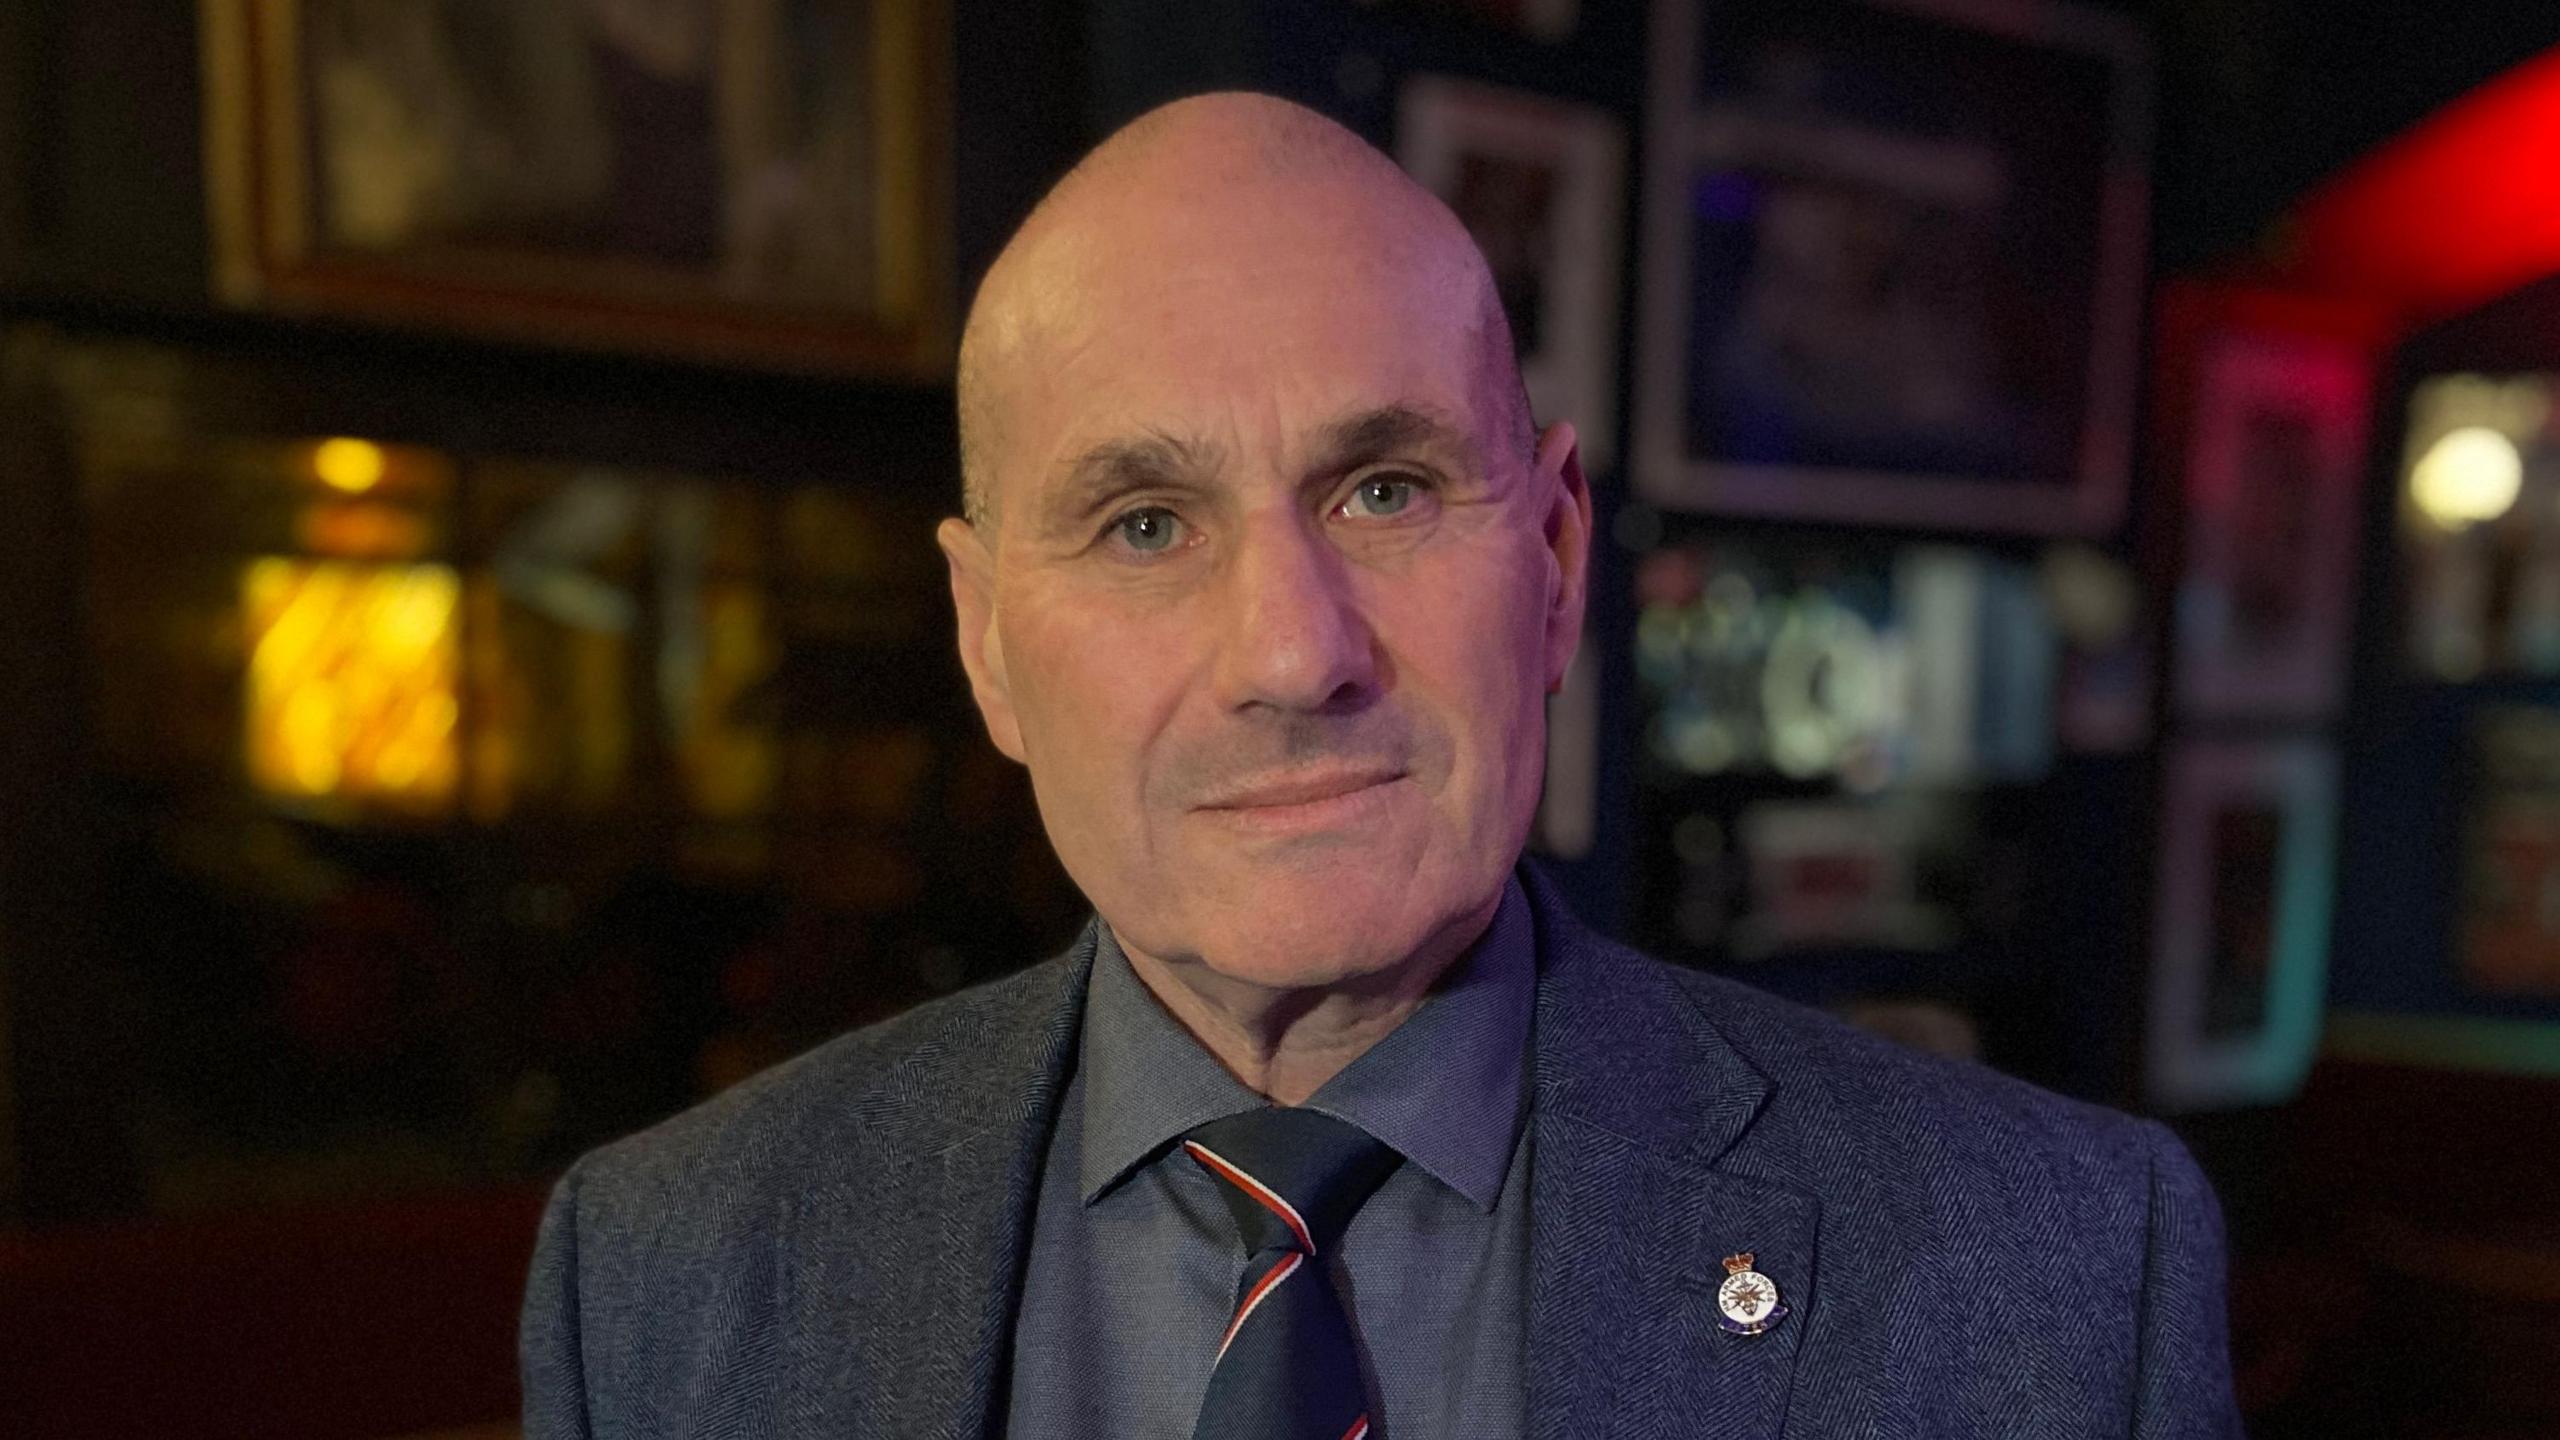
(360, 529)
(353, 466)
(351, 689)
(729, 765)
(2469, 475)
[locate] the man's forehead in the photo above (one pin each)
(1176, 294)
(1201, 336)
(1242, 399)
(1211, 269)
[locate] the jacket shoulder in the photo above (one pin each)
(669, 1261)
(1973, 1223)
(1846, 1080)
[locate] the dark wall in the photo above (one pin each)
(2261, 99)
(103, 151)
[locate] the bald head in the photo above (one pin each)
(1265, 580)
(1199, 183)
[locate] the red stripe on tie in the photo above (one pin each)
(1270, 1282)
(1271, 1199)
(1358, 1428)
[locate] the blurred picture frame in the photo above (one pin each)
(2479, 529)
(2508, 940)
(1541, 185)
(2274, 470)
(2240, 936)
(1892, 263)
(1841, 874)
(758, 182)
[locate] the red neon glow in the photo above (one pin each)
(2458, 211)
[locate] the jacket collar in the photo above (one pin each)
(1650, 1129)
(1649, 1132)
(1624, 1048)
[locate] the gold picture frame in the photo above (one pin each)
(747, 181)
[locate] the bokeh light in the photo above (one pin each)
(2468, 475)
(352, 466)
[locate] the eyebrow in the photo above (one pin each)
(1116, 467)
(1370, 435)
(1162, 460)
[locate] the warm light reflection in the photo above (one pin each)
(353, 466)
(2469, 475)
(351, 680)
(360, 529)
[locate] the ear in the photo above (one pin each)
(1566, 528)
(973, 594)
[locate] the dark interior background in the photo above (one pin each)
(2396, 1247)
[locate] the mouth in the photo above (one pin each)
(1306, 804)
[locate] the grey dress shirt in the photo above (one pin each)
(1134, 1256)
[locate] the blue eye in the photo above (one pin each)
(1380, 495)
(1149, 530)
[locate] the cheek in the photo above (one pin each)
(1473, 644)
(1090, 691)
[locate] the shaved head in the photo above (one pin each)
(1232, 158)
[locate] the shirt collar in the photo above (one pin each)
(1446, 1089)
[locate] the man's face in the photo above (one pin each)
(1272, 597)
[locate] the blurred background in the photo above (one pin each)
(2080, 590)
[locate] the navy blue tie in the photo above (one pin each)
(1286, 1367)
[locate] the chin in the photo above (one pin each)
(1297, 932)
(1304, 960)
(1302, 911)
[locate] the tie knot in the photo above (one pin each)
(1293, 1177)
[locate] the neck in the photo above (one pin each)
(1285, 1043)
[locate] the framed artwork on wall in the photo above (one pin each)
(2274, 464)
(1928, 666)
(2241, 934)
(2479, 525)
(1892, 263)
(1539, 184)
(2450, 954)
(2508, 943)
(757, 182)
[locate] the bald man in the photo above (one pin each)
(1334, 1123)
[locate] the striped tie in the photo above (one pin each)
(1286, 1369)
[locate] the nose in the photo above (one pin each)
(1294, 637)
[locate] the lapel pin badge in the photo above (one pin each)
(1748, 1298)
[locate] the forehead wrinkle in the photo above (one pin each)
(1125, 463)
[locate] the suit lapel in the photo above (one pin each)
(1645, 1122)
(898, 1272)
(906, 1269)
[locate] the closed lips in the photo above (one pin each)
(1299, 789)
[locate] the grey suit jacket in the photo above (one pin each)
(835, 1248)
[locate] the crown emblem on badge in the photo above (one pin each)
(1748, 1298)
